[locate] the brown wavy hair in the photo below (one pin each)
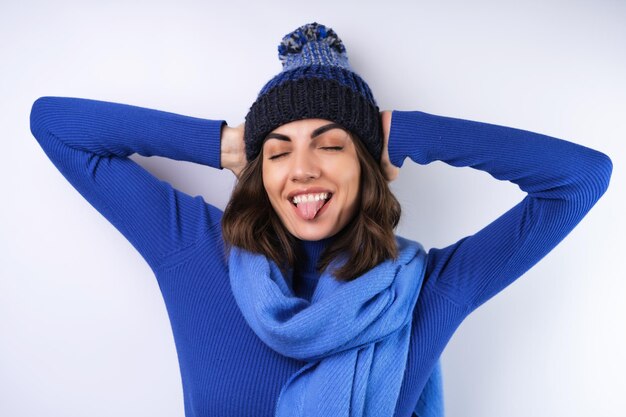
(250, 222)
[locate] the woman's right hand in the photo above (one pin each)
(233, 149)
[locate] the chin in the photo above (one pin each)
(327, 225)
(312, 231)
(321, 228)
(307, 231)
(313, 235)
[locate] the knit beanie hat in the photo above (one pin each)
(316, 82)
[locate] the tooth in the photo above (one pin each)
(308, 198)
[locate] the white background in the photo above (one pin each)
(83, 327)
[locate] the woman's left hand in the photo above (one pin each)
(390, 171)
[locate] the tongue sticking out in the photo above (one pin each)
(309, 209)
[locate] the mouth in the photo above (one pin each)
(310, 206)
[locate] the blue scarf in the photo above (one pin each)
(353, 335)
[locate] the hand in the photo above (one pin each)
(233, 149)
(390, 171)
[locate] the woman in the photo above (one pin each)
(299, 300)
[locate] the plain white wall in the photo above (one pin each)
(83, 327)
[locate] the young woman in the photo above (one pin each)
(298, 299)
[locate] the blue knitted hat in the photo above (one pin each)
(316, 82)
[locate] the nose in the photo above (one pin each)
(304, 167)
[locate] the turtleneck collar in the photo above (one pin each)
(312, 251)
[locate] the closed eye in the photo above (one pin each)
(330, 148)
(278, 155)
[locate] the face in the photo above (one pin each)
(311, 174)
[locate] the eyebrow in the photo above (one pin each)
(315, 133)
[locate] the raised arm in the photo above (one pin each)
(563, 180)
(89, 142)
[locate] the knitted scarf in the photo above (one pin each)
(353, 335)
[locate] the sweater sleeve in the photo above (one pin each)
(89, 142)
(563, 180)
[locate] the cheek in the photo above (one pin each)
(348, 174)
(272, 181)
(355, 182)
(267, 183)
(353, 172)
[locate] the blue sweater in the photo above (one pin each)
(226, 369)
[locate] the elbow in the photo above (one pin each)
(595, 182)
(42, 114)
(603, 168)
(38, 116)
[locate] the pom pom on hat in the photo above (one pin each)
(316, 82)
(293, 42)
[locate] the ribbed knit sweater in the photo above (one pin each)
(227, 371)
